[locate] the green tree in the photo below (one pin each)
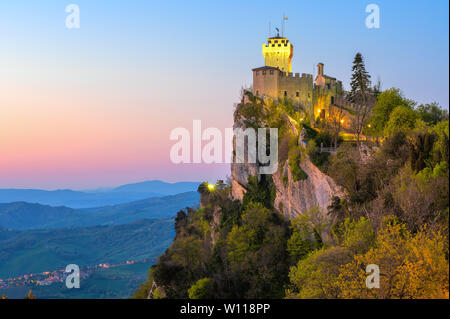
(260, 191)
(201, 289)
(357, 235)
(316, 275)
(361, 95)
(411, 266)
(360, 81)
(386, 103)
(441, 146)
(402, 118)
(304, 238)
(432, 113)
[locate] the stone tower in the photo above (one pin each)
(278, 52)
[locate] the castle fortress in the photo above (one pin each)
(275, 80)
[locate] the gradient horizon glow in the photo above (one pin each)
(94, 107)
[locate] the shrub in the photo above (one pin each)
(294, 164)
(201, 289)
(262, 191)
(319, 159)
(324, 138)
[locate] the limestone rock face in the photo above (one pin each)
(292, 198)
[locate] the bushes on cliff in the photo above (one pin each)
(227, 259)
(316, 276)
(414, 265)
(320, 159)
(294, 164)
(260, 191)
(295, 159)
(305, 235)
(395, 214)
(257, 249)
(202, 289)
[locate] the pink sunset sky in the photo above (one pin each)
(94, 107)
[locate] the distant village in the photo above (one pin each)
(47, 278)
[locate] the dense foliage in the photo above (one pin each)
(395, 214)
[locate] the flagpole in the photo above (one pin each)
(283, 24)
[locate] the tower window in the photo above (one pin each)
(271, 71)
(285, 93)
(264, 72)
(332, 100)
(297, 94)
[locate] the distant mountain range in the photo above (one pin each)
(22, 215)
(94, 198)
(47, 230)
(32, 251)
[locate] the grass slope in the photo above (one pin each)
(35, 251)
(21, 216)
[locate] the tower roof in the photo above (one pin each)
(266, 68)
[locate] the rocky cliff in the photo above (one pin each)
(292, 197)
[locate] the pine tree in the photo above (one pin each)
(360, 81)
(360, 95)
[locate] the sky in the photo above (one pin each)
(94, 107)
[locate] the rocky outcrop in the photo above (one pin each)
(292, 197)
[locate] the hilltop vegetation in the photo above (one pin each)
(395, 214)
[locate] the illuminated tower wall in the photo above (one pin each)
(278, 52)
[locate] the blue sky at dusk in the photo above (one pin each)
(94, 106)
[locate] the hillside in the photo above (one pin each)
(104, 283)
(21, 215)
(94, 198)
(70, 198)
(33, 251)
(159, 187)
(160, 207)
(310, 230)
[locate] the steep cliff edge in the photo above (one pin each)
(293, 196)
